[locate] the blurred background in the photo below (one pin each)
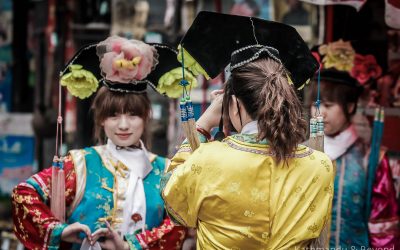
(37, 37)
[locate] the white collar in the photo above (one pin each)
(336, 146)
(137, 160)
(250, 128)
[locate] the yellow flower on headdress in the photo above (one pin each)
(339, 55)
(191, 63)
(169, 82)
(79, 82)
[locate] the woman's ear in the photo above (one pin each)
(351, 107)
(234, 105)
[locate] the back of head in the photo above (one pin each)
(267, 96)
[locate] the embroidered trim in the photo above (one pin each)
(33, 182)
(27, 185)
(266, 152)
(79, 161)
(175, 217)
(47, 237)
(339, 203)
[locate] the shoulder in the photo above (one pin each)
(318, 163)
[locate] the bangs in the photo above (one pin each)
(334, 92)
(118, 103)
(113, 103)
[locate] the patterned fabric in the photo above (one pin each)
(238, 197)
(37, 228)
(350, 226)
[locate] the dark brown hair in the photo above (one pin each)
(108, 103)
(339, 93)
(263, 88)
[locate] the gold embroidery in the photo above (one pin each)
(195, 169)
(107, 188)
(312, 207)
(313, 228)
(265, 235)
(329, 190)
(248, 213)
(297, 190)
(257, 195)
(234, 187)
(315, 179)
(326, 165)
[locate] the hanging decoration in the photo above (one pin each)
(316, 140)
(187, 111)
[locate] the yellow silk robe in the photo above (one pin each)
(238, 197)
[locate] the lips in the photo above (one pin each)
(123, 136)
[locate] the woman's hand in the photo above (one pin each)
(113, 241)
(212, 115)
(71, 233)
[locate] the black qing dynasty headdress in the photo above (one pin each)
(124, 65)
(215, 40)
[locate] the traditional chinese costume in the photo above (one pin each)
(238, 197)
(103, 183)
(350, 225)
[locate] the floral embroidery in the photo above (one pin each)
(234, 187)
(248, 213)
(265, 235)
(313, 228)
(326, 165)
(312, 207)
(315, 179)
(257, 195)
(196, 169)
(297, 190)
(329, 190)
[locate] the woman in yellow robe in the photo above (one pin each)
(258, 189)
(238, 193)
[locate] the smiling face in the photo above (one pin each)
(124, 129)
(121, 117)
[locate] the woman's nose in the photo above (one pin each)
(123, 122)
(322, 111)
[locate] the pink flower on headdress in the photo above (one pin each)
(365, 68)
(124, 60)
